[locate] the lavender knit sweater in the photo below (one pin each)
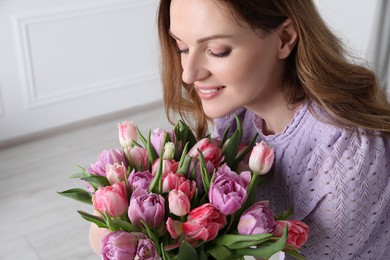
(337, 182)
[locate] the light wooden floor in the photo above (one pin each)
(36, 222)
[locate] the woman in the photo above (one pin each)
(281, 70)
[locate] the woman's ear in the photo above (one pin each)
(288, 38)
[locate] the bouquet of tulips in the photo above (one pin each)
(170, 196)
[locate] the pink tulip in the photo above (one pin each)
(145, 207)
(178, 181)
(179, 204)
(140, 180)
(168, 166)
(174, 227)
(127, 133)
(203, 223)
(261, 158)
(210, 150)
(138, 158)
(298, 232)
(111, 200)
(257, 219)
(228, 191)
(116, 173)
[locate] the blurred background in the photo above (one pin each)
(70, 70)
(65, 62)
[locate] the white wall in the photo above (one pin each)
(354, 21)
(65, 61)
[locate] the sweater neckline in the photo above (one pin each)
(290, 129)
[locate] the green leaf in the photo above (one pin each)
(152, 155)
(184, 134)
(225, 135)
(152, 236)
(97, 181)
(205, 175)
(265, 251)
(185, 166)
(233, 241)
(119, 224)
(80, 175)
(202, 254)
(183, 156)
(156, 185)
(94, 219)
(140, 136)
(220, 252)
(247, 149)
(78, 194)
(187, 252)
(164, 253)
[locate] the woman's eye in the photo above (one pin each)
(220, 54)
(182, 51)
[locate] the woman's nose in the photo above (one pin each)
(194, 69)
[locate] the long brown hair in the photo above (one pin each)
(317, 70)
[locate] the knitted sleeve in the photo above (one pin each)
(352, 220)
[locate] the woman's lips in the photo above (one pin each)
(207, 93)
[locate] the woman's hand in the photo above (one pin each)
(96, 236)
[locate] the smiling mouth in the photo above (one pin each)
(209, 91)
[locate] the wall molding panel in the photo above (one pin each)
(43, 80)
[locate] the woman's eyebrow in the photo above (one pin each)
(211, 37)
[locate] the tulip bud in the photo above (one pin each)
(169, 151)
(179, 204)
(298, 232)
(116, 172)
(262, 158)
(127, 133)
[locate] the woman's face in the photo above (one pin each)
(230, 64)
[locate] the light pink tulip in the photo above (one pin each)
(116, 172)
(168, 166)
(179, 204)
(261, 158)
(127, 133)
(138, 158)
(111, 200)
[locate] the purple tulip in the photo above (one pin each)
(121, 245)
(107, 157)
(228, 191)
(146, 250)
(140, 180)
(157, 138)
(257, 219)
(146, 207)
